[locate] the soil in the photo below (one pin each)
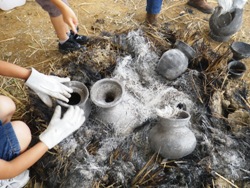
(27, 37)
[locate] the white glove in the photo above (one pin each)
(46, 86)
(60, 128)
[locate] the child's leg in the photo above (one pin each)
(60, 27)
(7, 109)
(23, 134)
(56, 18)
(15, 137)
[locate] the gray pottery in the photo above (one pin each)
(223, 26)
(79, 97)
(236, 69)
(186, 49)
(240, 50)
(114, 105)
(172, 64)
(171, 138)
(107, 93)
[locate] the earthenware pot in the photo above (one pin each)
(236, 69)
(108, 95)
(223, 26)
(172, 64)
(79, 97)
(240, 50)
(171, 137)
(185, 48)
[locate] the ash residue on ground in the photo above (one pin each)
(95, 156)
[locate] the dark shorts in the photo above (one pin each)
(9, 145)
(50, 7)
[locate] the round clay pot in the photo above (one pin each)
(172, 64)
(79, 97)
(236, 69)
(171, 138)
(185, 48)
(240, 50)
(223, 26)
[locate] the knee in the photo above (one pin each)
(7, 108)
(23, 134)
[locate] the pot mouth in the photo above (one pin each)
(236, 69)
(181, 115)
(106, 93)
(79, 95)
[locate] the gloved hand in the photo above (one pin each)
(60, 128)
(46, 86)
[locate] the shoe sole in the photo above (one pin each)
(71, 50)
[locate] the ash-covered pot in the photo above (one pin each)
(108, 95)
(171, 138)
(79, 97)
(174, 62)
(223, 26)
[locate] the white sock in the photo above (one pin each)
(63, 41)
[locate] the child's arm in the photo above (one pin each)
(69, 16)
(12, 70)
(43, 85)
(10, 169)
(58, 129)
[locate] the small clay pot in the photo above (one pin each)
(236, 69)
(172, 64)
(240, 50)
(79, 97)
(223, 26)
(185, 48)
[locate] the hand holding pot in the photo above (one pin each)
(46, 86)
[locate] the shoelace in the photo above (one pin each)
(5, 183)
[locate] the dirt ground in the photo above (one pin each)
(27, 37)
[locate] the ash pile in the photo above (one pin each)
(100, 154)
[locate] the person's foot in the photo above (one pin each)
(70, 46)
(17, 182)
(151, 19)
(201, 5)
(81, 39)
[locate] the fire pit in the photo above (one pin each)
(118, 154)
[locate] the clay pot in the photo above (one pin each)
(223, 26)
(236, 69)
(240, 50)
(107, 93)
(185, 48)
(114, 105)
(172, 64)
(171, 138)
(79, 97)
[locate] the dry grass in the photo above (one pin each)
(36, 48)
